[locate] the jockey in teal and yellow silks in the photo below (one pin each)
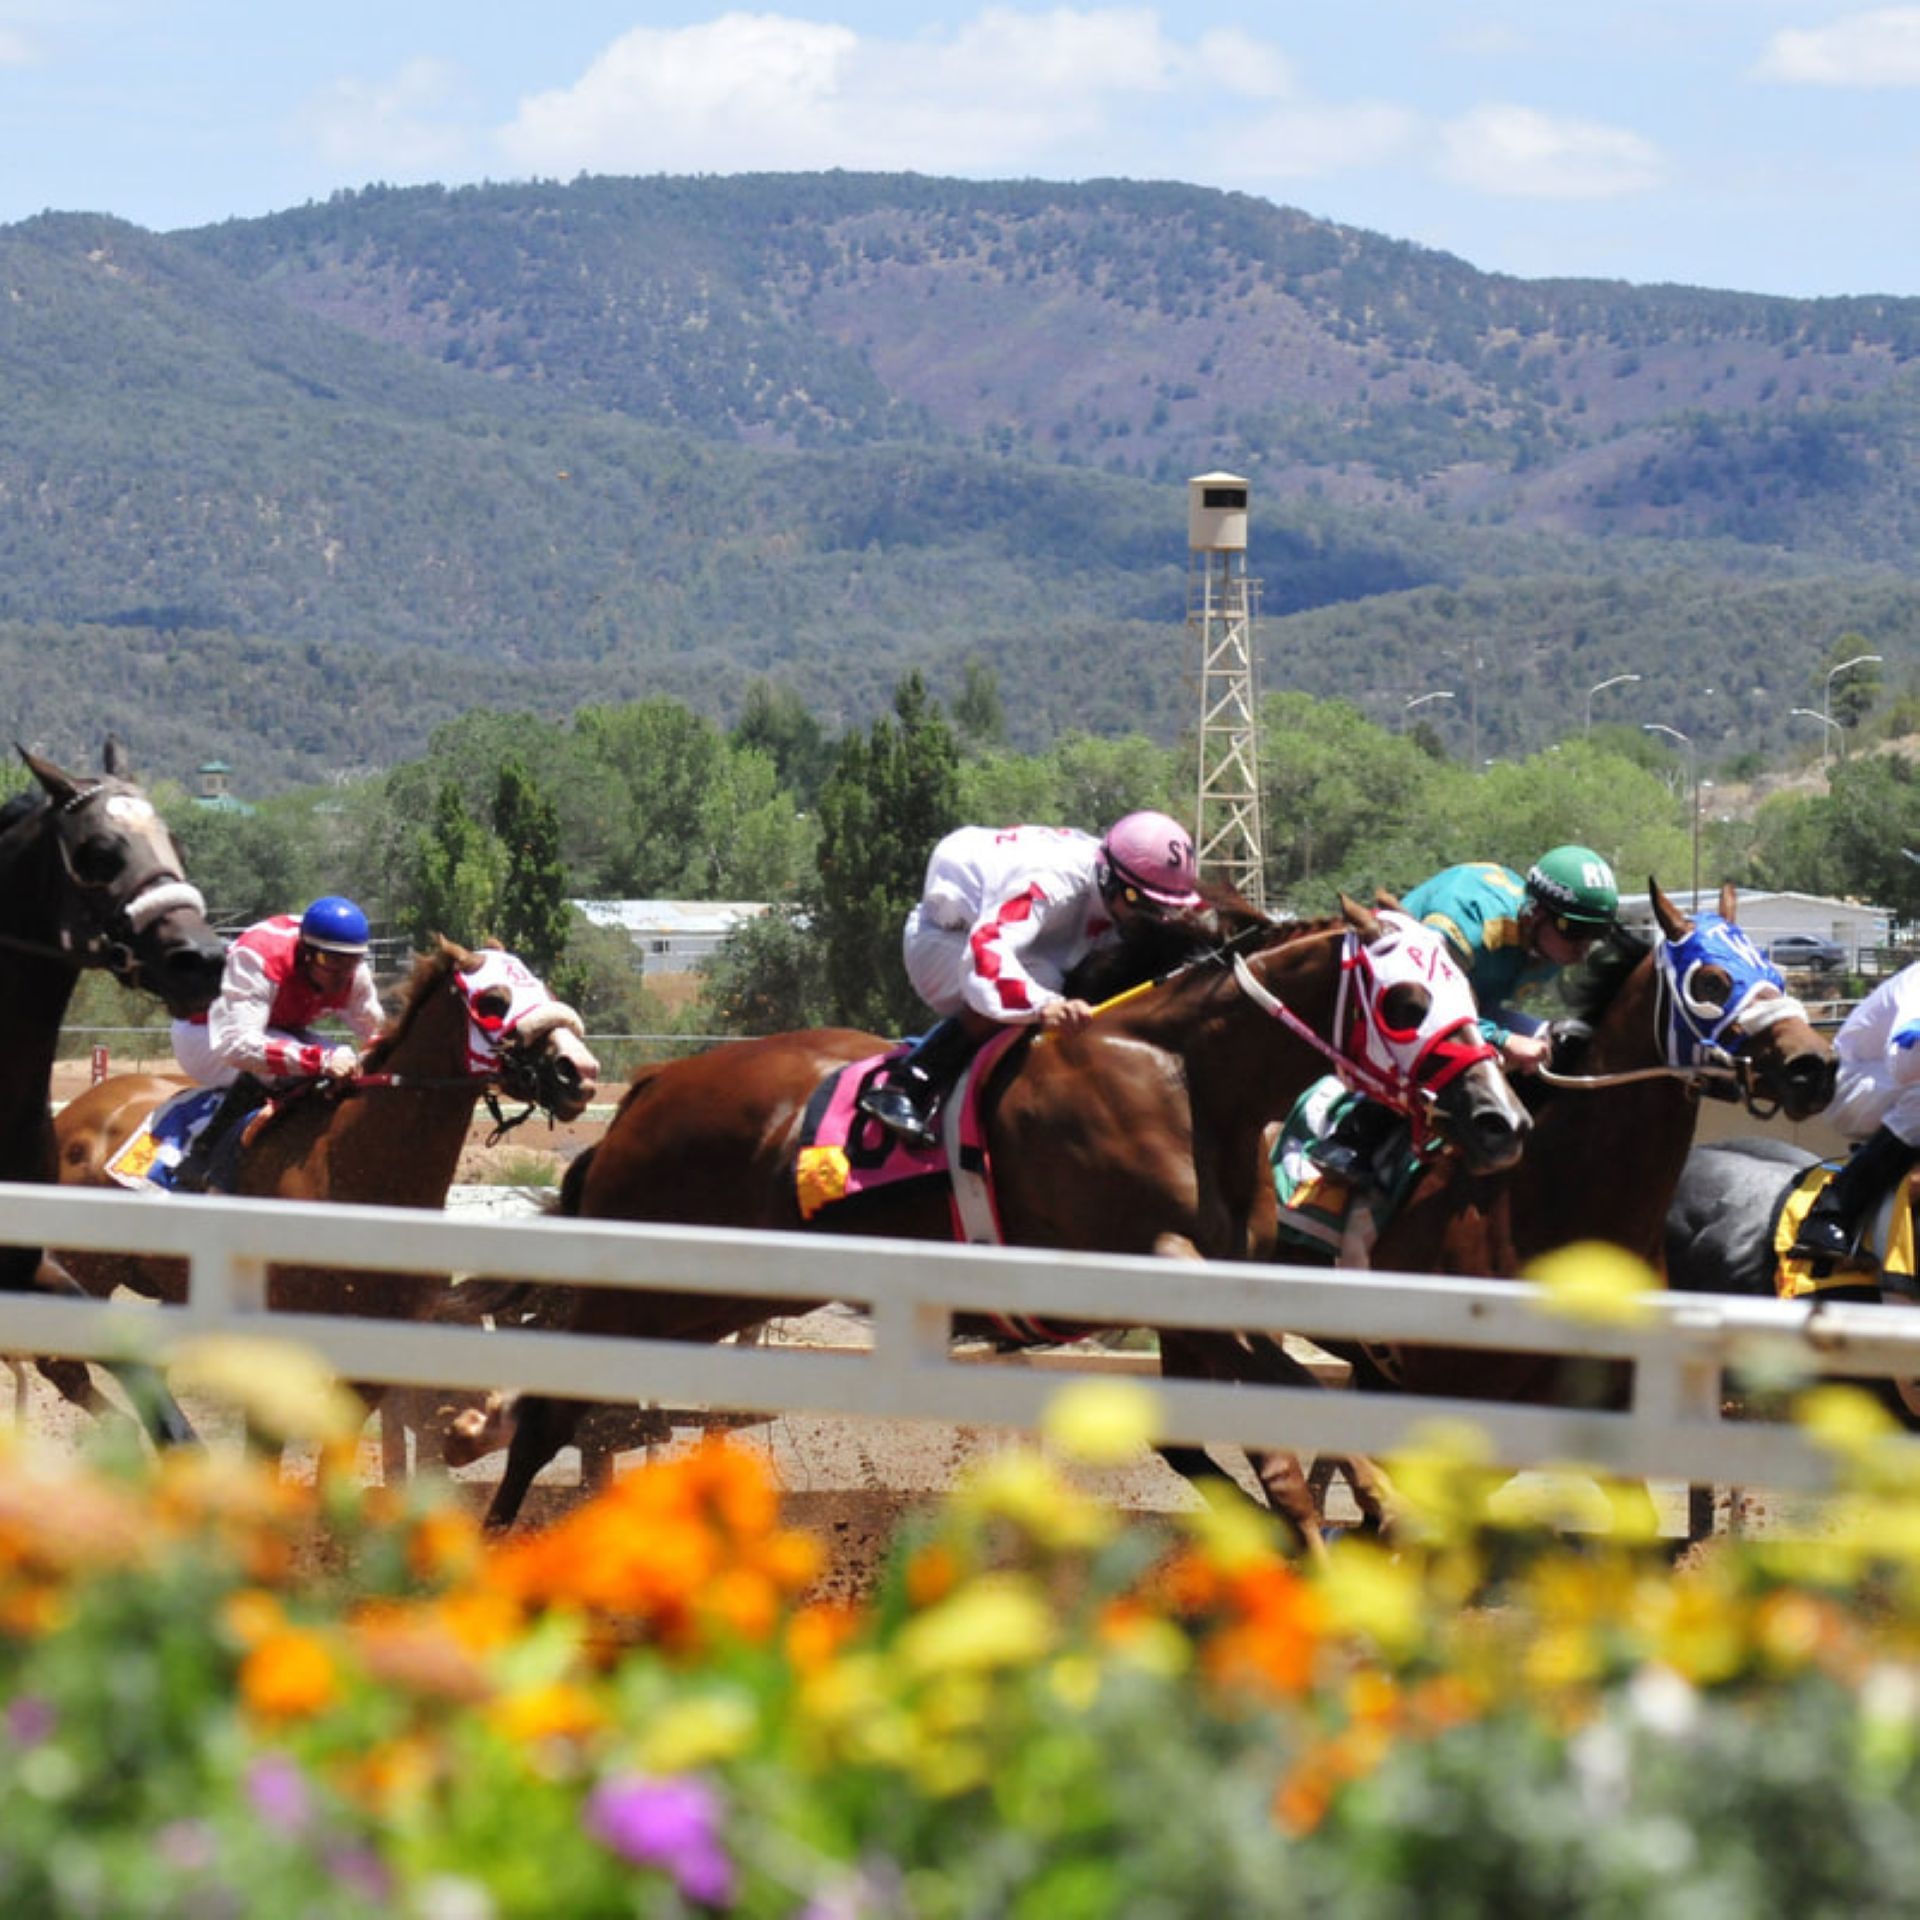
(1512, 934)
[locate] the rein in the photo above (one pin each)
(1382, 1087)
(441, 1083)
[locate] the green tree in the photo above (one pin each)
(777, 722)
(769, 976)
(248, 865)
(977, 709)
(671, 763)
(893, 794)
(531, 914)
(456, 874)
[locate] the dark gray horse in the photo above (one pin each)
(1720, 1233)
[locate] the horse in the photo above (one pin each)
(1720, 1239)
(1144, 1125)
(390, 1136)
(89, 877)
(1656, 1022)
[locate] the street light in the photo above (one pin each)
(1807, 713)
(1421, 699)
(1693, 781)
(1619, 679)
(1826, 699)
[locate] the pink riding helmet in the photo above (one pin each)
(1151, 853)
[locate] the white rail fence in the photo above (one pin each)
(1671, 1428)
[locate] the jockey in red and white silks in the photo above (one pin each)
(276, 987)
(1005, 915)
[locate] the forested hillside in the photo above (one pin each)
(294, 490)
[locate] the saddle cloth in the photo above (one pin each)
(846, 1157)
(1888, 1238)
(1327, 1212)
(160, 1142)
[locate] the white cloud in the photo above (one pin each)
(1878, 49)
(1003, 91)
(1523, 152)
(16, 50)
(403, 128)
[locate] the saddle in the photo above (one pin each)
(1338, 1179)
(846, 1158)
(152, 1153)
(1886, 1255)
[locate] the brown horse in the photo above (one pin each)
(88, 878)
(1657, 1023)
(1144, 1125)
(391, 1137)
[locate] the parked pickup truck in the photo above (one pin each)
(1806, 953)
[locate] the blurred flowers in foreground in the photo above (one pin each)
(222, 1694)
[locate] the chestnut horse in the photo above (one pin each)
(88, 878)
(1657, 1023)
(392, 1136)
(1144, 1125)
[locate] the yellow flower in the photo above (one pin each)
(1594, 1281)
(1563, 1656)
(559, 1711)
(1103, 1423)
(697, 1732)
(998, 1621)
(1366, 1590)
(1021, 1486)
(1075, 1681)
(285, 1391)
(1229, 1529)
(250, 1615)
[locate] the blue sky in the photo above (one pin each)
(1766, 145)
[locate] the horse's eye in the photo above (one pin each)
(1713, 986)
(1404, 1006)
(493, 1005)
(99, 859)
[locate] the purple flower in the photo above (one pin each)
(29, 1720)
(672, 1823)
(278, 1790)
(186, 1844)
(360, 1870)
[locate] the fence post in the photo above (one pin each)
(99, 1062)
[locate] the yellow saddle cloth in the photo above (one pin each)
(1888, 1241)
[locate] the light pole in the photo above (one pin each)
(1826, 698)
(1807, 713)
(1619, 679)
(1693, 781)
(1420, 700)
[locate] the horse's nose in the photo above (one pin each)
(1498, 1136)
(1810, 1083)
(566, 1075)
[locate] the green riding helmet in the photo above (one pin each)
(1575, 886)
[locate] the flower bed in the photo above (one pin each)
(227, 1695)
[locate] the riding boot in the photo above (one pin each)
(1353, 1147)
(1834, 1220)
(195, 1171)
(907, 1096)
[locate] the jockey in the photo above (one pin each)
(281, 976)
(1511, 935)
(1876, 1104)
(1005, 916)
(1508, 935)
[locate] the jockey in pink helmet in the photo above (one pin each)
(1005, 916)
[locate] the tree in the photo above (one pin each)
(977, 710)
(457, 870)
(774, 720)
(532, 916)
(768, 976)
(893, 794)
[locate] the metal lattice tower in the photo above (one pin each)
(1222, 606)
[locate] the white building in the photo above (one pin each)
(671, 936)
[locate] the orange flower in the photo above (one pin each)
(555, 1712)
(30, 1610)
(1301, 1801)
(395, 1774)
(445, 1544)
(289, 1675)
(250, 1615)
(932, 1574)
(815, 1634)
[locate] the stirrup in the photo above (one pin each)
(1822, 1239)
(896, 1110)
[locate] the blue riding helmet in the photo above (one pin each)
(334, 925)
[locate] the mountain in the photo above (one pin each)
(290, 490)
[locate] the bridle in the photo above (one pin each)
(1702, 1041)
(100, 920)
(1403, 1067)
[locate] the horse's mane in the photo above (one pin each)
(429, 970)
(1589, 988)
(17, 806)
(1224, 922)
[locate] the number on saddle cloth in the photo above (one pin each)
(163, 1139)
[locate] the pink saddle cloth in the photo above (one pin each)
(846, 1156)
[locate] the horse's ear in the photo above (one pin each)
(1729, 900)
(1387, 902)
(113, 757)
(1673, 923)
(1363, 920)
(60, 786)
(456, 953)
